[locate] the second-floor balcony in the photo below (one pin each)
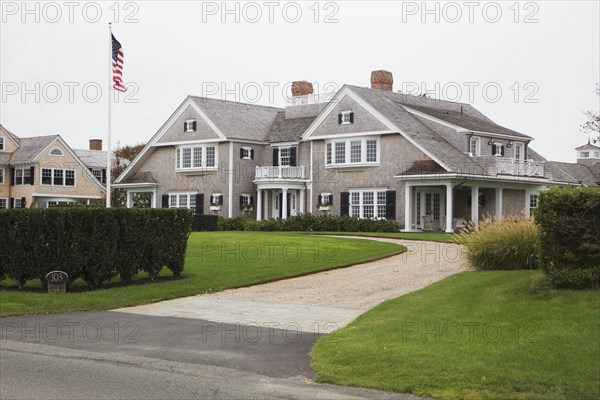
(510, 166)
(277, 172)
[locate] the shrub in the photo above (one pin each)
(569, 221)
(511, 243)
(94, 244)
(205, 223)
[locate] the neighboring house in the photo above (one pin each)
(43, 172)
(370, 153)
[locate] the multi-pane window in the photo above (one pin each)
(56, 152)
(597, 154)
(22, 176)
(518, 152)
(2, 144)
(284, 156)
(368, 204)
(18, 202)
(340, 152)
(346, 117)
(246, 153)
(1, 175)
(182, 200)
(3, 203)
(352, 151)
(533, 201)
(355, 151)
(474, 146)
(436, 206)
(196, 157)
(59, 177)
(585, 154)
(190, 125)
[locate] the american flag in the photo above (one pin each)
(117, 64)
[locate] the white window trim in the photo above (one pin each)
(584, 154)
(28, 169)
(499, 148)
(203, 167)
(247, 149)
(361, 203)
(20, 200)
(56, 155)
(2, 180)
(189, 199)
(522, 147)
(64, 178)
(346, 113)
(1, 143)
(348, 152)
(477, 146)
(189, 125)
(5, 203)
(279, 156)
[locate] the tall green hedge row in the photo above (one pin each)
(569, 221)
(94, 244)
(308, 223)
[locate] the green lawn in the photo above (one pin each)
(215, 261)
(430, 236)
(494, 334)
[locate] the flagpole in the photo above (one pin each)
(109, 144)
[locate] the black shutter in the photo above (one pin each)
(493, 149)
(103, 175)
(165, 201)
(345, 203)
(330, 199)
(12, 202)
(351, 117)
(469, 201)
(12, 177)
(220, 200)
(251, 200)
(32, 176)
(241, 200)
(184, 126)
(194, 126)
(320, 199)
(23, 202)
(293, 156)
(339, 118)
(199, 204)
(502, 151)
(252, 154)
(275, 157)
(390, 204)
(241, 153)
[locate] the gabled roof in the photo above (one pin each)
(571, 173)
(288, 130)
(238, 120)
(30, 148)
(10, 134)
(588, 146)
(92, 158)
(389, 104)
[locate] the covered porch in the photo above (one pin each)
(279, 201)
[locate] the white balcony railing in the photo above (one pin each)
(509, 166)
(280, 172)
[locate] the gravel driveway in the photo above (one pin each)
(324, 301)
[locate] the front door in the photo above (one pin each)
(429, 202)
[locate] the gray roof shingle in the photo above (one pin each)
(92, 158)
(288, 130)
(30, 147)
(571, 173)
(238, 120)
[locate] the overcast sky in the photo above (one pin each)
(529, 66)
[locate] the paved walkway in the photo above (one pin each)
(321, 302)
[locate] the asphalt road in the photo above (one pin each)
(110, 355)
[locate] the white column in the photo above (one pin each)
(302, 201)
(475, 205)
(129, 200)
(499, 203)
(449, 208)
(526, 207)
(154, 198)
(407, 198)
(259, 206)
(284, 204)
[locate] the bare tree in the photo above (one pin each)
(592, 125)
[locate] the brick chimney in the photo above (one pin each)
(301, 88)
(95, 144)
(382, 80)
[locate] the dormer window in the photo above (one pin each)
(346, 117)
(189, 125)
(56, 152)
(585, 154)
(474, 147)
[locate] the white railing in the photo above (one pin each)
(280, 172)
(509, 166)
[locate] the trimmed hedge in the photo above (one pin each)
(569, 221)
(308, 223)
(205, 223)
(94, 244)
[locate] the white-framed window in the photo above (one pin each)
(585, 154)
(56, 152)
(533, 201)
(474, 146)
(22, 176)
(58, 177)
(352, 151)
(58, 203)
(597, 154)
(190, 125)
(216, 199)
(3, 202)
(367, 203)
(346, 117)
(97, 172)
(196, 157)
(284, 156)
(519, 152)
(246, 201)
(498, 149)
(246, 153)
(324, 200)
(1, 175)
(182, 200)
(18, 202)
(2, 144)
